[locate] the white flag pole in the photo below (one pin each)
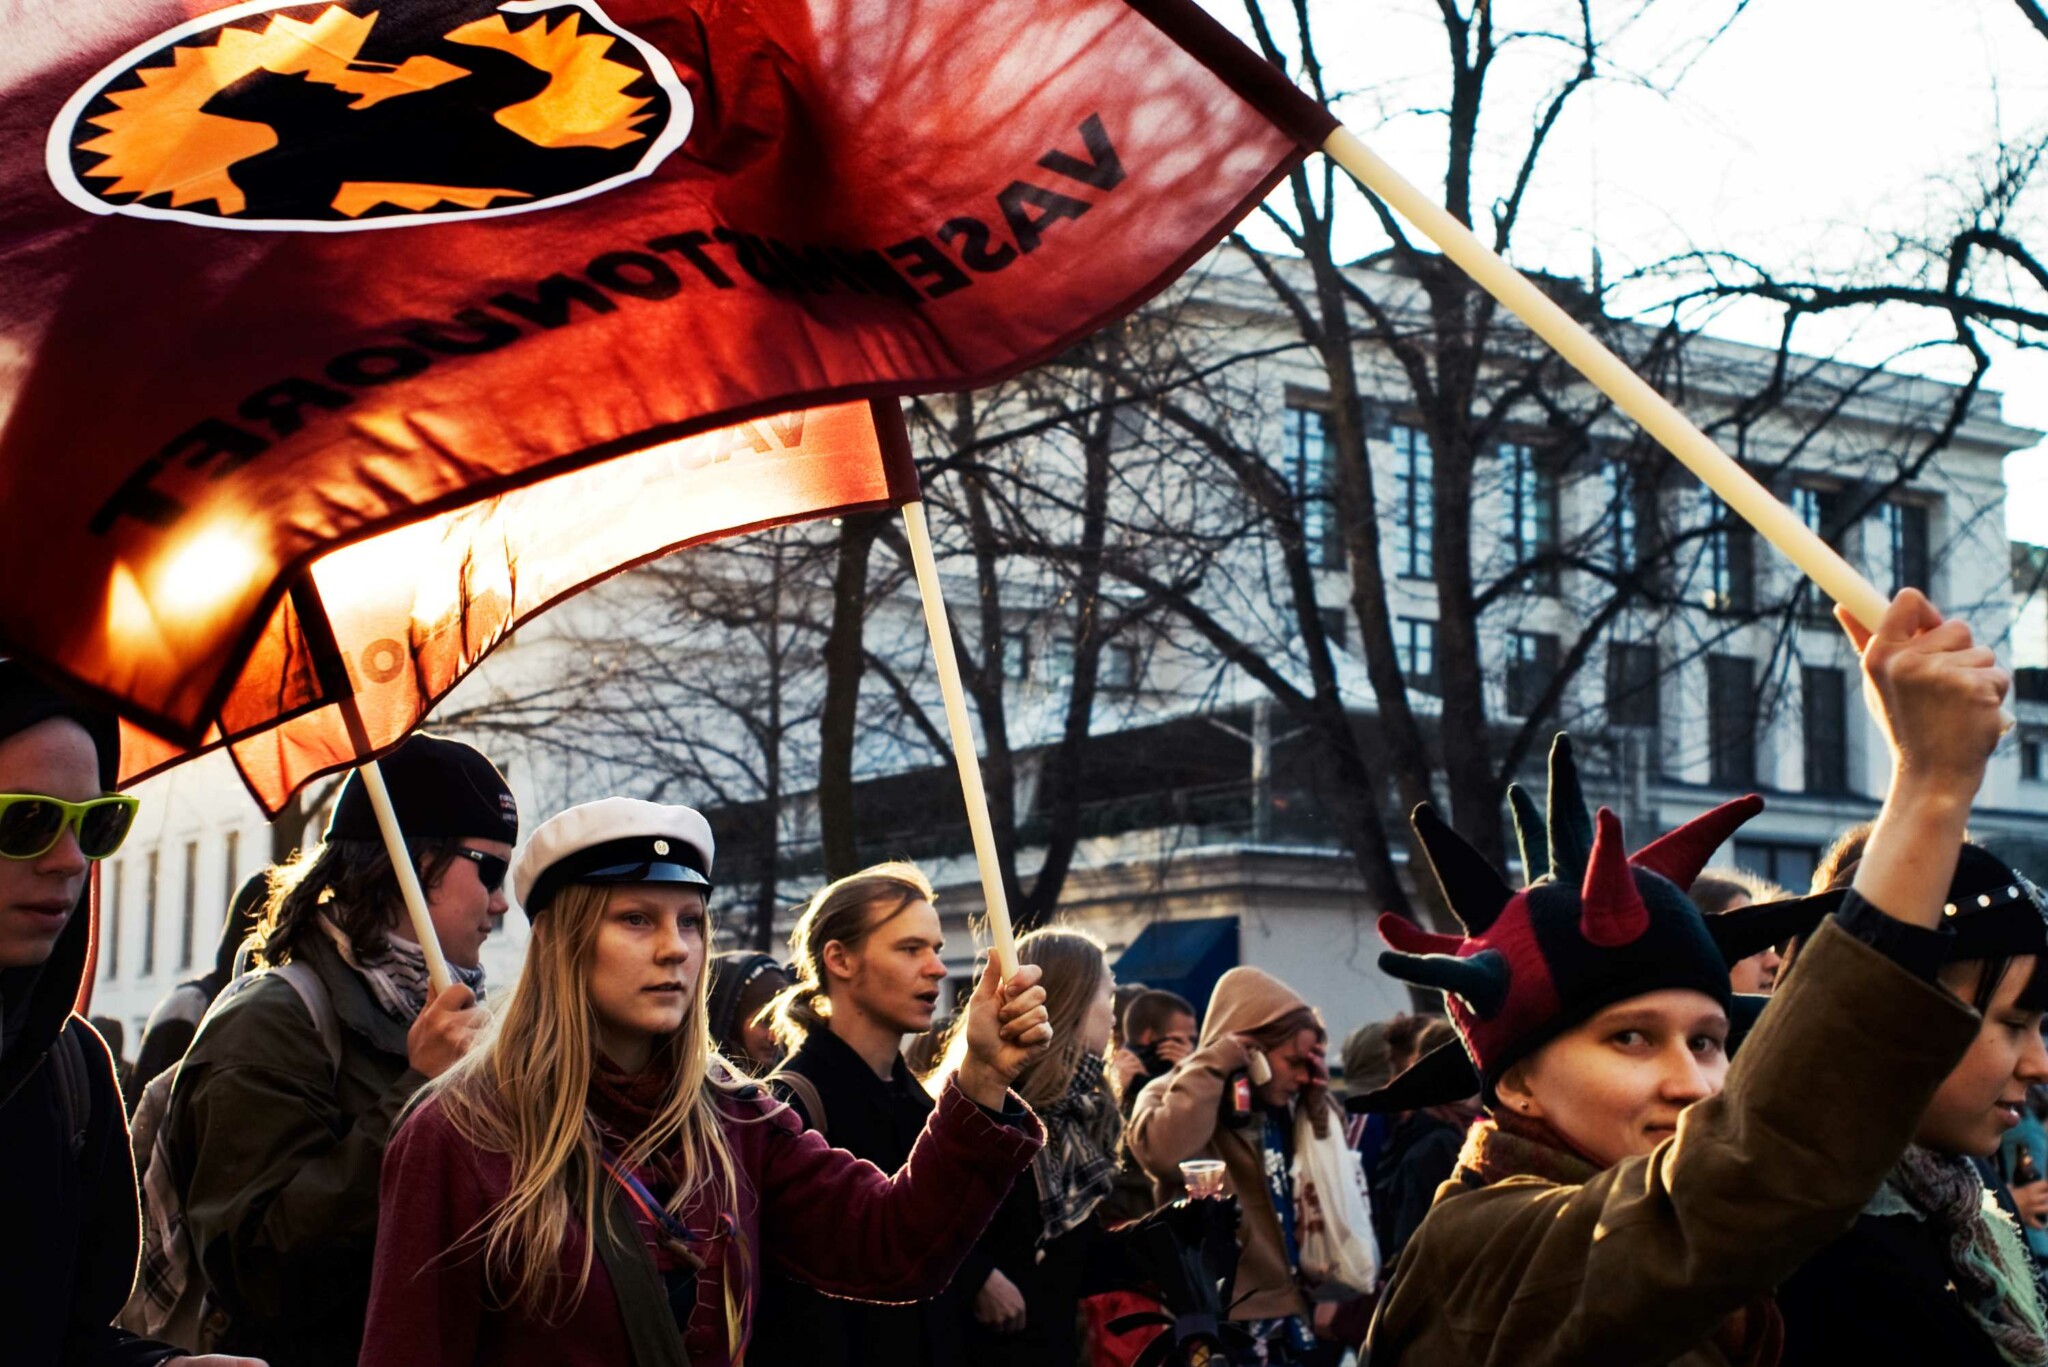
(1698, 452)
(332, 673)
(964, 754)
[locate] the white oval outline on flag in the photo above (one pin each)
(57, 149)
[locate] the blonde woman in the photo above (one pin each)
(594, 1184)
(1040, 1242)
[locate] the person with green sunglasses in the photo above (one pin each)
(67, 1186)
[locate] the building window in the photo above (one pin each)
(1632, 685)
(1059, 659)
(1730, 560)
(1532, 499)
(1120, 667)
(1532, 665)
(1414, 513)
(186, 927)
(1017, 654)
(149, 915)
(1622, 487)
(114, 920)
(1312, 475)
(1790, 866)
(1336, 627)
(231, 863)
(2033, 764)
(1905, 536)
(1415, 644)
(1820, 510)
(1826, 704)
(1731, 721)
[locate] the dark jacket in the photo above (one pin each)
(1052, 1279)
(278, 1158)
(806, 1210)
(1880, 1293)
(1643, 1262)
(68, 1258)
(1418, 1156)
(878, 1121)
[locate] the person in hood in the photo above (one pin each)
(1211, 1106)
(744, 984)
(276, 1139)
(1932, 1270)
(171, 1026)
(1629, 1196)
(67, 1187)
(632, 1224)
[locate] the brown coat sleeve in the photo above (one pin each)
(1643, 1262)
(1175, 1118)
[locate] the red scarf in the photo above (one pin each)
(1502, 1145)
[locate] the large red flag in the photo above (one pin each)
(279, 279)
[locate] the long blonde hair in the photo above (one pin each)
(839, 911)
(521, 1092)
(1075, 969)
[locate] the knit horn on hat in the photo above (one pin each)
(1595, 925)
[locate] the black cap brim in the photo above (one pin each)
(1443, 1075)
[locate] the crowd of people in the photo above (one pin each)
(1668, 1113)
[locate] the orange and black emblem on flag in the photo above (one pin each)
(369, 114)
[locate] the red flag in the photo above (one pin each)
(277, 279)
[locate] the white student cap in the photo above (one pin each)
(612, 840)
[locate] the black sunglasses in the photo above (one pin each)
(490, 870)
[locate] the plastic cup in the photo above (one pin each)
(1203, 1177)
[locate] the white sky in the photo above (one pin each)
(1805, 132)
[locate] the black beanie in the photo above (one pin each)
(25, 700)
(440, 788)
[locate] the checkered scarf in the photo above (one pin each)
(1077, 1166)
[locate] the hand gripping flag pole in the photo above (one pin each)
(336, 685)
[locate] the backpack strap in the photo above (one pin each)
(74, 1086)
(805, 1092)
(313, 995)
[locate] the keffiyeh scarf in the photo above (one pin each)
(1077, 1166)
(1992, 1273)
(397, 972)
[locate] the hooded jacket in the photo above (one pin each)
(72, 1223)
(1178, 1117)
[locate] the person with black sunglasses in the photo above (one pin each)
(67, 1191)
(279, 1118)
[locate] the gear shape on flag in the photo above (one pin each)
(349, 115)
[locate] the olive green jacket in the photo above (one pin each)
(1642, 1262)
(278, 1155)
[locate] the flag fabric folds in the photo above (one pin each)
(420, 316)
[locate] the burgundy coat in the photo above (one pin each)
(808, 1210)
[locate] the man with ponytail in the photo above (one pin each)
(866, 951)
(595, 1185)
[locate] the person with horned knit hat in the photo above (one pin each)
(595, 1186)
(1628, 1196)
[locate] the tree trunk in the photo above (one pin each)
(845, 662)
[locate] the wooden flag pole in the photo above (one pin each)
(964, 754)
(1739, 489)
(335, 683)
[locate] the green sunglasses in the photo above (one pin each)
(32, 824)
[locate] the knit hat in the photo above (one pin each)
(440, 788)
(1597, 927)
(26, 700)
